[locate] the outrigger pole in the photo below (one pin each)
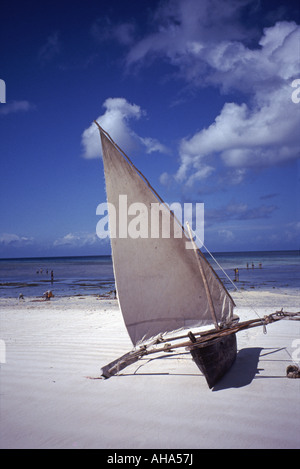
(202, 338)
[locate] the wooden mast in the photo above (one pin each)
(209, 298)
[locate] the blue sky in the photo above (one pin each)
(197, 92)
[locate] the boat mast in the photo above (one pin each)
(209, 298)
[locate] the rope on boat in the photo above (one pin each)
(293, 371)
(235, 287)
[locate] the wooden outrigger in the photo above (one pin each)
(214, 351)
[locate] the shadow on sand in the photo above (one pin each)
(242, 371)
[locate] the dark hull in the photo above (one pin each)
(215, 357)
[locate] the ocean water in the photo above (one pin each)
(71, 276)
(262, 270)
(93, 275)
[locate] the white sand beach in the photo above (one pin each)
(54, 348)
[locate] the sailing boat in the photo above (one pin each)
(163, 287)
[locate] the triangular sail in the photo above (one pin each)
(159, 284)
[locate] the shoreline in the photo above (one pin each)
(52, 397)
(274, 297)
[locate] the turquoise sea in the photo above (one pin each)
(93, 275)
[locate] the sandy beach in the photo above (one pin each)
(54, 350)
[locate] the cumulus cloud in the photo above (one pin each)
(207, 44)
(115, 120)
(77, 239)
(118, 112)
(263, 132)
(185, 29)
(246, 137)
(14, 240)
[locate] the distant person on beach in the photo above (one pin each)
(48, 294)
(236, 274)
(52, 276)
(21, 296)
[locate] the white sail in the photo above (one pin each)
(159, 284)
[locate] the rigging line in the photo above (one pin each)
(236, 288)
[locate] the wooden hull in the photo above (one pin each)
(215, 358)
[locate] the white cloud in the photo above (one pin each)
(201, 171)
(226, 235)
(205, 42)
(152, 145)
(14, 240)
(115, 121)
(77, 239)
(186, 28)
(245, 137)
(16, 106)
(233, 66)
(164, 179)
